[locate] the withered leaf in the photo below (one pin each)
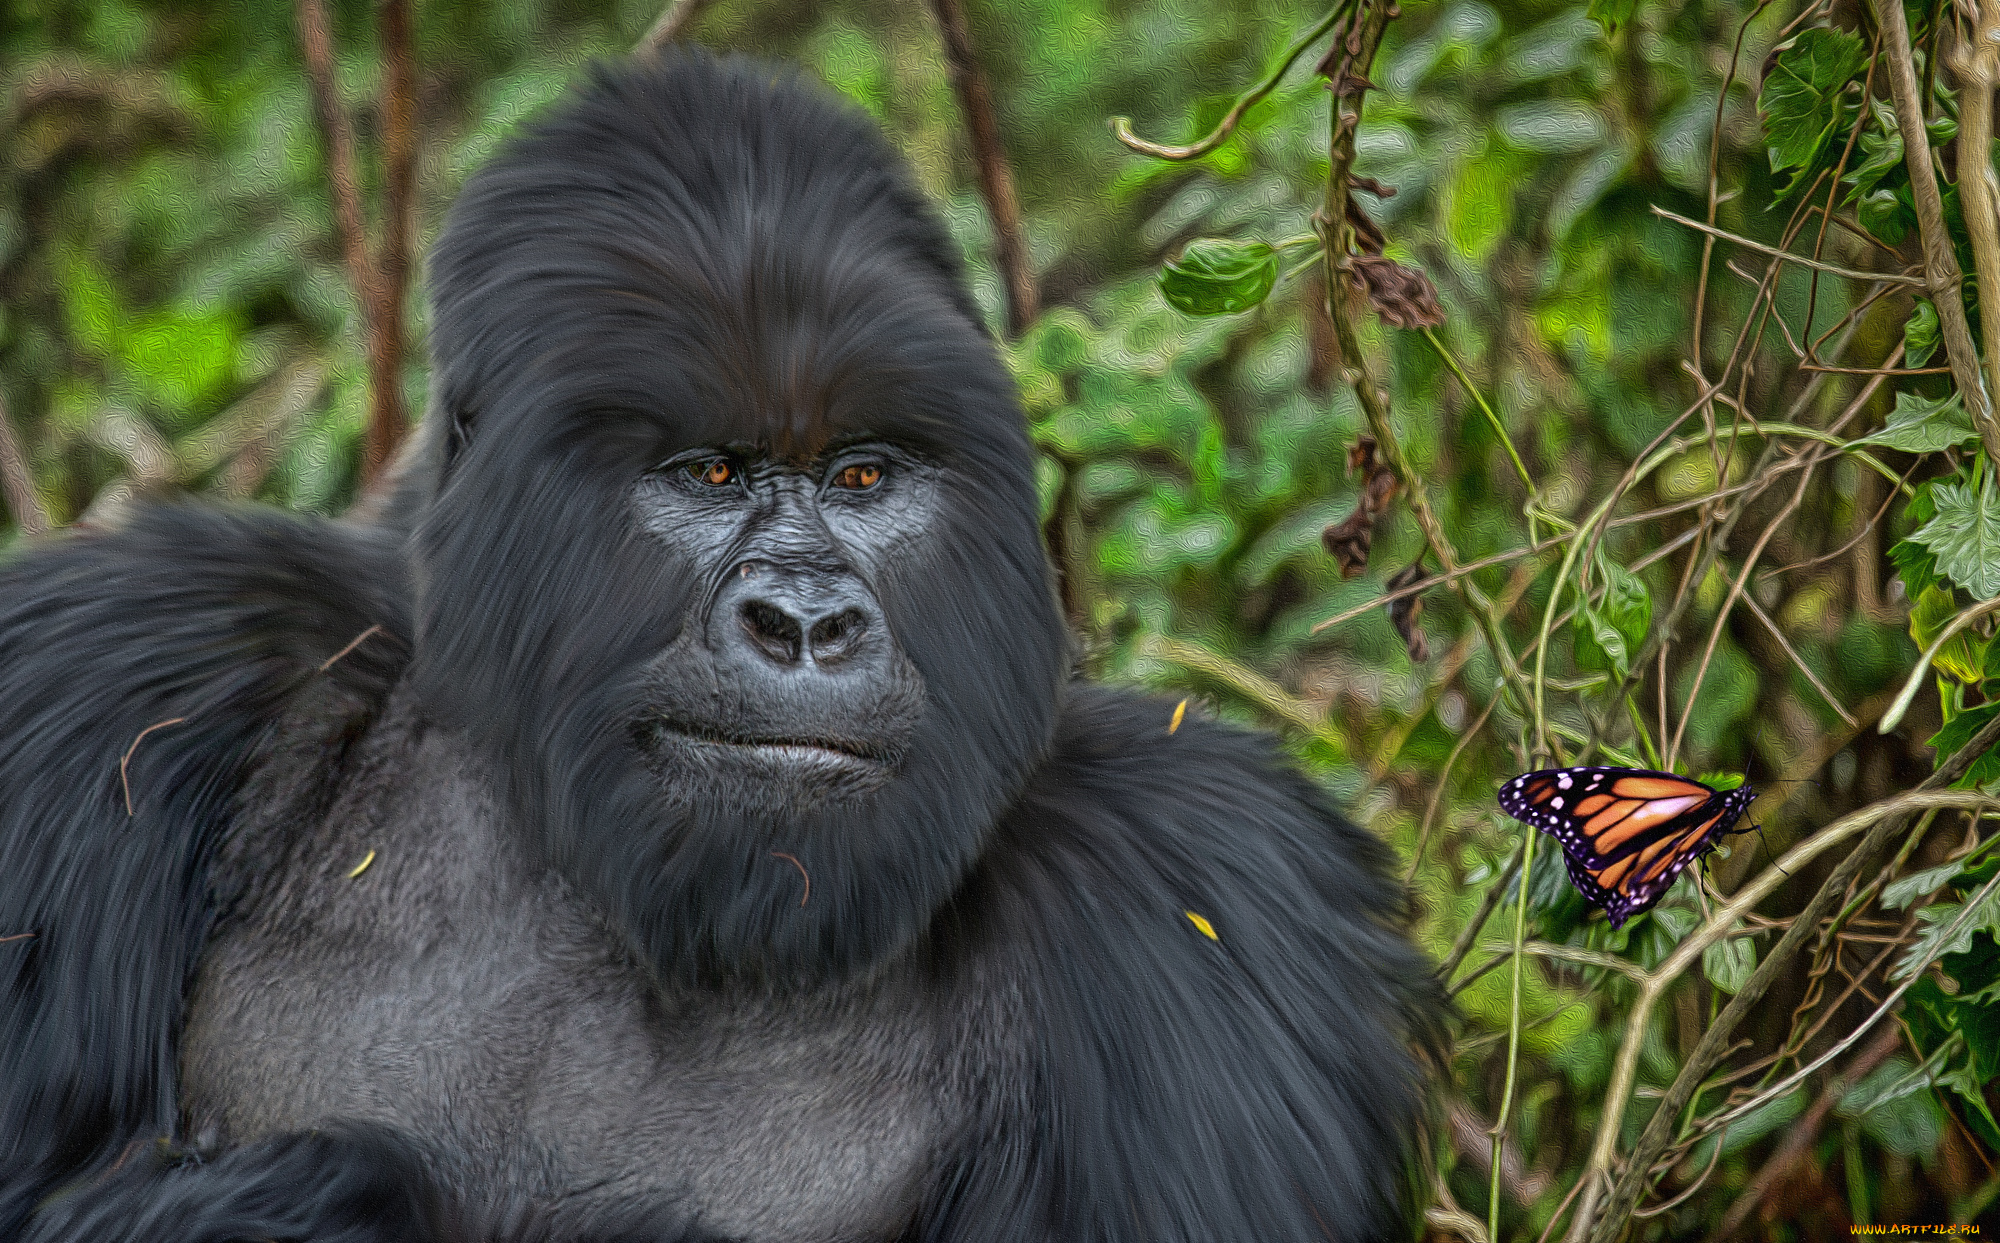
(1349, 540)
(1403, 296)
(1405, 611)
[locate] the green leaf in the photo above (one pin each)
(1889, 215)
(1729, 962)
(1915, 565)
(1959, 730)
(1976, 972)
(1920, 331)
(1922, 425)
(1965, 535)
(1881, 151)
(1608, 632)
(1902, 891)
(1932, 942)
(1914, 562)
(1964, 655)
(1965, 1037)
(1804, 97)
(1894, 1108)
(1219, 276)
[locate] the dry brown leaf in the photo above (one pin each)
(1403, 296)
(1405, 611)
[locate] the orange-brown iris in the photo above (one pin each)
(858, 477)
(715, 472)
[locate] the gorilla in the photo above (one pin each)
(672, 815)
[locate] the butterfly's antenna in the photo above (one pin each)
(1765, 842)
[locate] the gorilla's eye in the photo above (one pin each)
(715, 471)
(859, 477)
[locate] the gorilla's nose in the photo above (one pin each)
(793, 620)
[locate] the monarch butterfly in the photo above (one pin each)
(1626, 833)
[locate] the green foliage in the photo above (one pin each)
(1920, 334)
(1961, 654)
(1805, 101)
(1219, 276)
(1964, 536)
(1925, 425)
(1608, 631)
(1729, 962)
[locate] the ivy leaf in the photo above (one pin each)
(1219, 276)
(1957, 732)
(1896, 1108)
(1608, 632)
(1888, 215)
(1729, 962)
(1914, 561)
(1920, 332)
(1932, 942)
(1881, 151)
(1921, 425)
(1964, 1040)
(1803, 99)
(1904, 890)
(1965, 535)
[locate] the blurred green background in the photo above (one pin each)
(174, 315)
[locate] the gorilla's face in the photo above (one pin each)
(787, 689)
(731, 561)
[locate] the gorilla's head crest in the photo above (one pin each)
(729, 559)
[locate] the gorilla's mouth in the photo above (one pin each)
(818, 748)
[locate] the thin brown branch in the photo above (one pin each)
(386, 419)
(672, 25)
(1749, 600)
(1122, 126)
(1786, 256)
(16, 484)
(996, 179)
(1941, 273)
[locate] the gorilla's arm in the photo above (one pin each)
(1261, 1085)
(219, 620)
(354, 1187)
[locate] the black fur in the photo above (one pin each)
(586, 992)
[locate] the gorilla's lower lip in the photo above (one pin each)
(794, 750)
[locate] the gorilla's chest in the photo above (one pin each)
(454, 995)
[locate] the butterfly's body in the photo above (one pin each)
(1626, 833)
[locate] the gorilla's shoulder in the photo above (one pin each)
(1203, 807)
(139, 669)
(1227, 1016)
(138, 663)
(192, 611)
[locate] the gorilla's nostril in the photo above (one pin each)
(833, 637)
(775, 632)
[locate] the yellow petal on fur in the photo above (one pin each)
(1207, 929)
(362, 866)
(1180, 710)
